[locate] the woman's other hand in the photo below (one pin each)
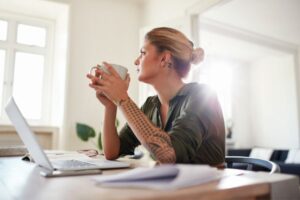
(100, 96)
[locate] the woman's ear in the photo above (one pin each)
(166, 59)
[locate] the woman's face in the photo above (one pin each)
(148, 63)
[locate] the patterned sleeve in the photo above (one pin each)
(128, 141)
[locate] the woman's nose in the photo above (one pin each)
(137, 61)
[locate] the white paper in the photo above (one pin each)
(164, 177)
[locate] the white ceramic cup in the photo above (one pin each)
(122, 71)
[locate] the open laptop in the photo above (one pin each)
(56, 167)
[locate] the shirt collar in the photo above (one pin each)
(184, 91)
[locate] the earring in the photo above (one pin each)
(168, 64)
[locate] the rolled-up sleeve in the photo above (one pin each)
(187, 134)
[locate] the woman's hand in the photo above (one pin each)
(100, 96)
(110, 87)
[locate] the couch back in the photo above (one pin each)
(278, 155)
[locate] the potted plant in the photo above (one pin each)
(86, 132)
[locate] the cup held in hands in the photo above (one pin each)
(122, 71)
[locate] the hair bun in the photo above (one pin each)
(197, 56)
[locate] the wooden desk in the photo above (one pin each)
(21, 180)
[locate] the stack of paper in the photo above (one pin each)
(163, 177)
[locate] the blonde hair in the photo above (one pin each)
(181, 48)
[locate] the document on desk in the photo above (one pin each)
(163, 177)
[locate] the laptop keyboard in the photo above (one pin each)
(72, 164)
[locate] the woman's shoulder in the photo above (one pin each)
(201, 97)
(199, 89)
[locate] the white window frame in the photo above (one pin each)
(11, 47)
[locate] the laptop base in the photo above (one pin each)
(57, 173)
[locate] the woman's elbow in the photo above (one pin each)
(168, 157)
(111, 156)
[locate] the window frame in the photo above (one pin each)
(11, 47)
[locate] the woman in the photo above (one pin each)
(183, 123)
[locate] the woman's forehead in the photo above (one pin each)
(148, 45)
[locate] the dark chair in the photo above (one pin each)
(253, 164)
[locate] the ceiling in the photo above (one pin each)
(272, 21)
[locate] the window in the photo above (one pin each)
(33, 85)
(31, 35)
(25, 55)
(2, 57)
(3, 30)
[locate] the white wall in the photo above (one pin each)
(99, 31)
(241, 111)
(268, 116)
(158, 11)
(275, 18)
(274, 106)
(264, 104)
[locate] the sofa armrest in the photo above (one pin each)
(289, 168)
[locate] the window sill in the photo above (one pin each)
(46, 135)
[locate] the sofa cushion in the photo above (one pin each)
(293, 156)
(282, 155)
(261, 153)
(276, 155)
(297, 157)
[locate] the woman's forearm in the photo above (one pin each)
(110, 138)
(153, 138)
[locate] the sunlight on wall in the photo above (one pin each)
(218, 75)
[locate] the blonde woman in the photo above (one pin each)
(183, 123)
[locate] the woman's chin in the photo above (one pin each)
(140, 76)
(142, 79)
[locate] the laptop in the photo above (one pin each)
(55, 167)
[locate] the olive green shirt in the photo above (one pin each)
(195, 124)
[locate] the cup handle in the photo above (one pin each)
(92, 70)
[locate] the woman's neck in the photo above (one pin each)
(166, 90)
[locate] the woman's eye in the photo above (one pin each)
(142, 52)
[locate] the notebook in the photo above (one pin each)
(59, 167)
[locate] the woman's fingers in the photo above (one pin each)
(109, 84)
(111, 70)
(96, 80)
(98, 88)
(127, 79)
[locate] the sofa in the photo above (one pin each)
(278, 156)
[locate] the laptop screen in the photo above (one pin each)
(27, 136)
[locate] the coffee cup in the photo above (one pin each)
(122, 71)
